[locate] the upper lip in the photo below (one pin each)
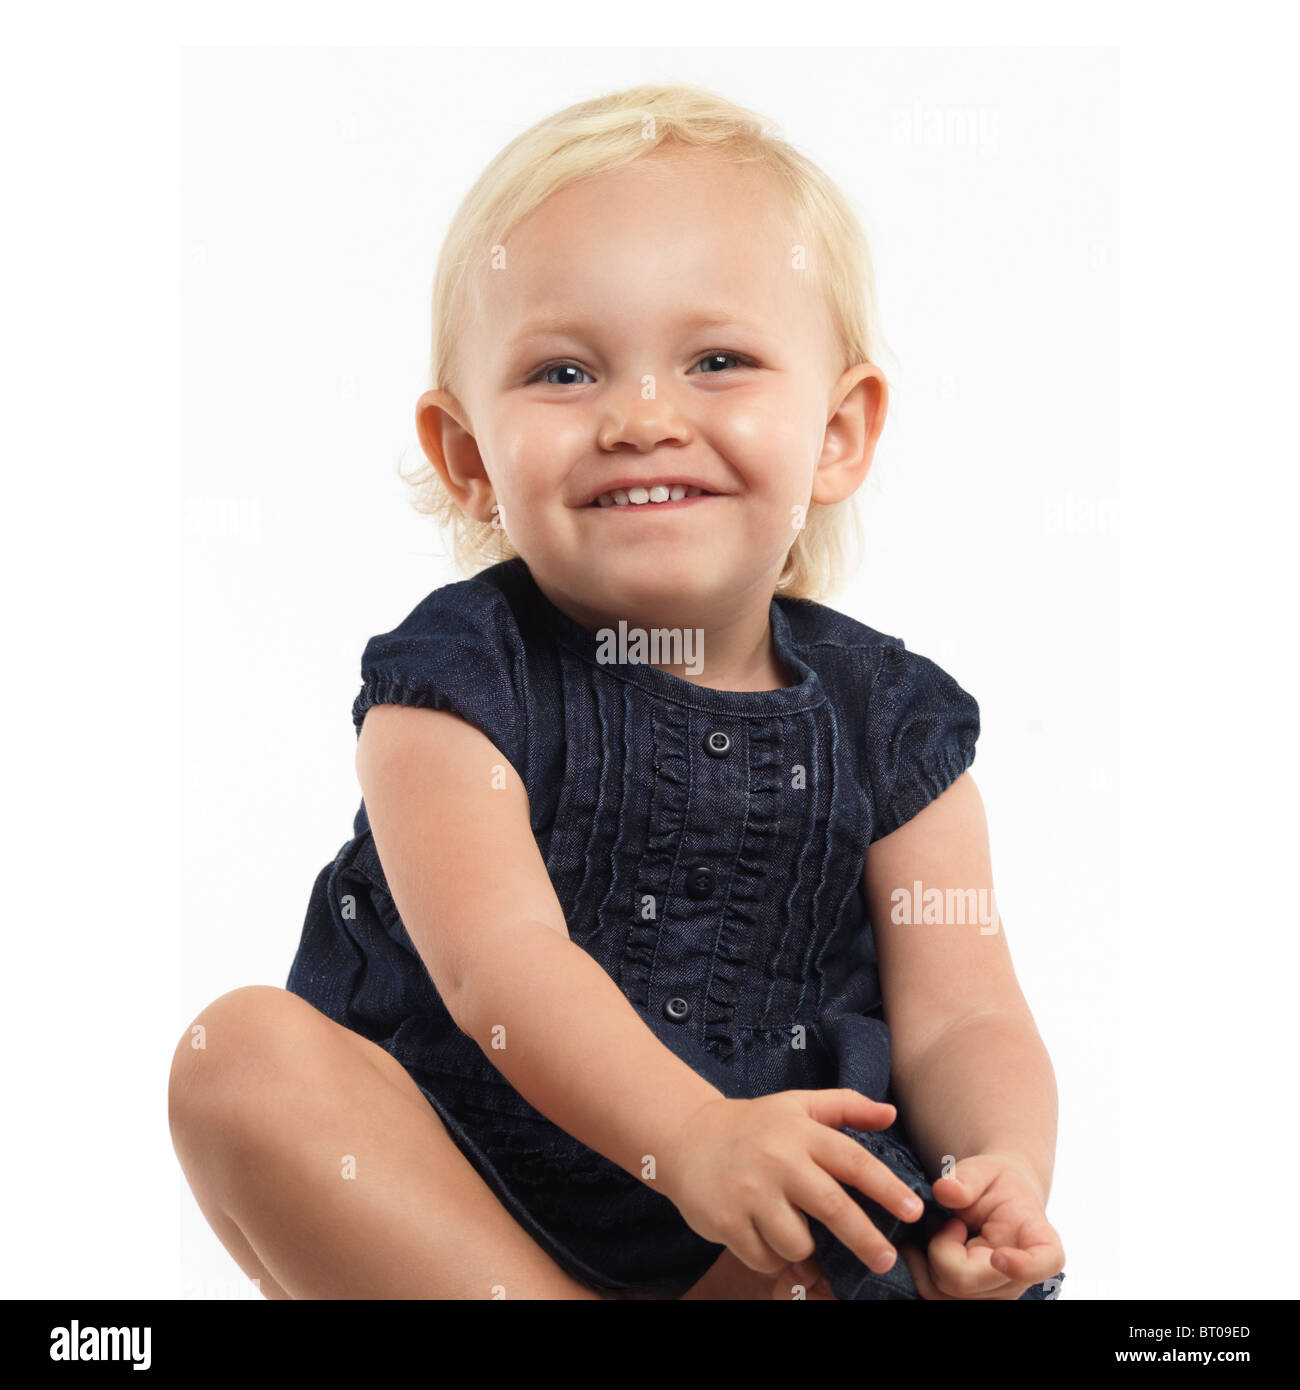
(667, 480)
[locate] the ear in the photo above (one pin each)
(445, 437)
(859, 403)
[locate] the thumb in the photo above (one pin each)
(966, 1182)
(842, 1108)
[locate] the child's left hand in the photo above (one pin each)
(1014, 1246)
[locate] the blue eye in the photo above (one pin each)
(713, 357)
(545, 373)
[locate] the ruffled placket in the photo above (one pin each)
(691, 836)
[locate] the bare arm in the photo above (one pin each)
(451, 825)
(969, 1069)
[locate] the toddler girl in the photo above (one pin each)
(646, 971)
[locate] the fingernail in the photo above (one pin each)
(912, 1206)
(883, 1262)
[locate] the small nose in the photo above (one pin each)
(643, 422)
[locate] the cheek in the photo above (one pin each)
(770, 447)
(532, 452)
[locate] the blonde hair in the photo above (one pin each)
(604, 133)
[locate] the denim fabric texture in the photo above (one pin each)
(752, 848)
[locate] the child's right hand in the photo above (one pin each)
(743, 1173)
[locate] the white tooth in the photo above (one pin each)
(659, 493)
(677, 491)
(694, 491)
(620, 497)
(605, 500)
(637, 495)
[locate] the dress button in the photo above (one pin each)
(699, 881)
(717, 743)
(676, 1010)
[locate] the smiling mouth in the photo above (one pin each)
(639, 499)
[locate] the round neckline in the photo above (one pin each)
(584, 643)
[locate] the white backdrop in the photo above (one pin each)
(316, 186)
(1091, 530)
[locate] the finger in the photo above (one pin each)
(1038, 1255)
(753, 1252)
(928, 1285)
(956, 1192)
(961, 1269)
(816, 1192)
(785, 1230)
(841, 1108)
(1023, 1245)
(920, 1272)
(847, 1160)
(968, 1181)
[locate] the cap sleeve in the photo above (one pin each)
(460, 649)
(921, 732)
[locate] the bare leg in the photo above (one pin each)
(326, 1173)
(728, 1279)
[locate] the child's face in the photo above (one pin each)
(656, 269)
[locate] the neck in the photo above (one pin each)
(733, 650)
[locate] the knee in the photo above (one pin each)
(233, 1052)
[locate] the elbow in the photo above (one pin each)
(483, 979)
(452, 987)
(459, 1005)
(472, 992)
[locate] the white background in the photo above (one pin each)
(221, 275)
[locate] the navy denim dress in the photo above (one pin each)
(744, 815)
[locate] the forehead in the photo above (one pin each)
(664, 237)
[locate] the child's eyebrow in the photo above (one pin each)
(574, 325)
